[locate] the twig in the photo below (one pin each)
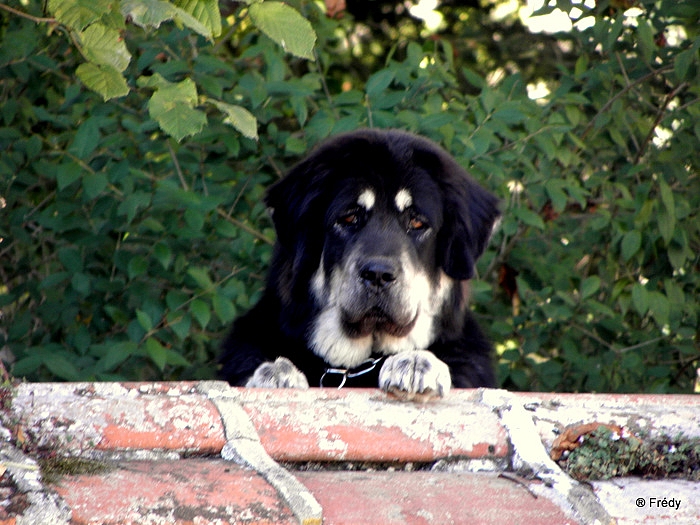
(622, 92)
(324, 84)
(255, 233)
(640, 345)
(178, 170)
(35, 19)
(657, 120)
(370, 120)
(594, 336)
(505, 248)
(519, 480)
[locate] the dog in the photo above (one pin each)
(378, 232)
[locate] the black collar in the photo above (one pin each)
(363, 368)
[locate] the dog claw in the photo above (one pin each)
(415, 376)
(278, 374)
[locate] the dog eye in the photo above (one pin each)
(417, 223)
(349, 219)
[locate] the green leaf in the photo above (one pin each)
(147, 13)
(667, 197)
(116, 355)
(81, 283)
(379, 81)
(610, 39)
(28, 365)
(53, 280)
(104, 80)
(157, 352)
(172, 107)
(152, 13)
(155, 81)
(677, 256)
(86, 138)
(224, 308)
(589, 286)
(631, 243)
(180, 324)
(132, 203)
(674, 292)
(529, 217)
(554, 189)
(105, 46)
(201, 312)
(94, 184)
(78, 14)
(204, 11)
(682, 62)
(240, 118)
(61, 366)
(645, 38)
(201, 277)
(137, 266)
(71, 259)
(164, 254)
(667, 225)
(510, 114)
(581, 65)
(640, 299)
(67, 174)
(175, 359)
(144, 320)
(659, 307)
(474, 78)
(285, 26)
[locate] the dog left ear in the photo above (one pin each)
(469, 216)
(291, 202)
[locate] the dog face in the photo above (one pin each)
(378, 229)
(378, 286)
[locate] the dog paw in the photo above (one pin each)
(278, 374)
(415, 375)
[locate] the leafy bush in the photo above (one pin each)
(133, 229)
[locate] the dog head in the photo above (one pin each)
(380, 228)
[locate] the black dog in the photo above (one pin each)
(378, 232)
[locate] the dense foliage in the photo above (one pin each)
(137, 139)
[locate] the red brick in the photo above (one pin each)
(427, 498)
(73, 418)
(174, 492)
(167, 423)
(366, 425)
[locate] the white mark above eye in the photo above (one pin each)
(403, 199)
(367, 199)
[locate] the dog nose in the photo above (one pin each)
(378, 273)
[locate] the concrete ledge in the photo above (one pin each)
(369, 426)
(71, 418)
(206, 453)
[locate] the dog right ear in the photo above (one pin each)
(298, 201)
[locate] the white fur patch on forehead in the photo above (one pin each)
(403, 199)
(367, 199)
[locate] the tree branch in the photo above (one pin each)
(35, 19)
(624, 90)
(657, 120)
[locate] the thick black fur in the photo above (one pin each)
(306, 204)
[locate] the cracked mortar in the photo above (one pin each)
(530, 459)
(243, 446)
